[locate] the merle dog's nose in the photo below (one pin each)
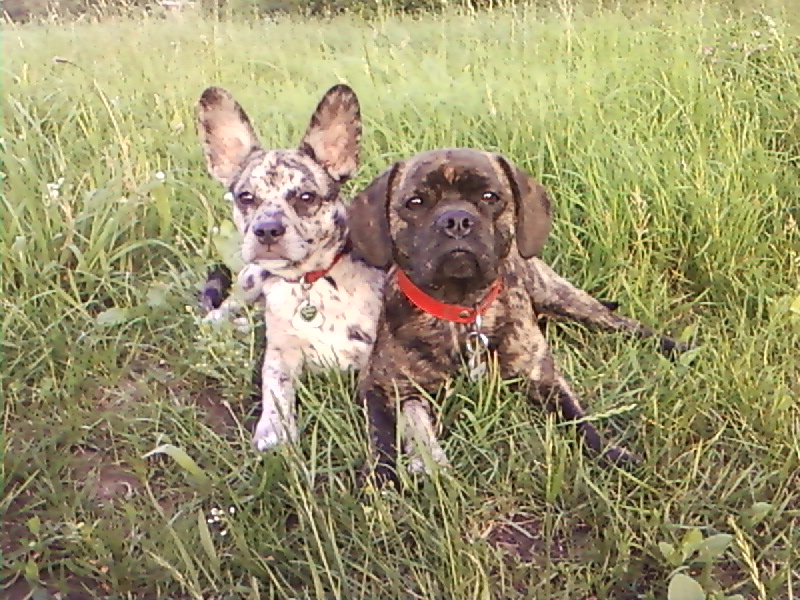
(455, 223)
(269, 232)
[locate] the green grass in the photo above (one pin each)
(669, 136)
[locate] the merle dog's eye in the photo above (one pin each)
(414, 202)
(490, 196)
(308, 197)
(245, 198)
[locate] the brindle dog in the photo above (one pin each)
(463, 228)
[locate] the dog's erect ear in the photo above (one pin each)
(368, 220)
(225, 133)
(333, 137)
(532, 209)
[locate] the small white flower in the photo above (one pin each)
(232, 510)
(223, 533)
(228, 196)
(160, 175)
(54, 188)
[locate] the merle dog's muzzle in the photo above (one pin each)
(268, 231)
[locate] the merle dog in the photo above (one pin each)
(321, 302)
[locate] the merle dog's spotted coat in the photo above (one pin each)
(288, 208)
(454, 221)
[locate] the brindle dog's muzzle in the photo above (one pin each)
(462, 253)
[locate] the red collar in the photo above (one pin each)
(441, 310)
(313, 276)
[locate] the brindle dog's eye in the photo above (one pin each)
(414, 202)
(308, 197)
(490, 197)
(245, 198)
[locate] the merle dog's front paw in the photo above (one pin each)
(216, 288)
(251, 282)
(271, 433)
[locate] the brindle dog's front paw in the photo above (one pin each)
(272, 433)
(620, 457)
(672, 348)
(378, 477)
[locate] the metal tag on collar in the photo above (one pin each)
(477, 347)
(307, 315)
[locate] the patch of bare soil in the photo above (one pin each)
(72, 588)
(216, 413)
(104, 478)
(523, 537)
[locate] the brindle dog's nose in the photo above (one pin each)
(269, 232)
(455, 223)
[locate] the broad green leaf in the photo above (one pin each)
(669, 553)
(688, 357)
(31, 570)
(688, 333)
(207, 542)
(163, 203)
(683, 587)
(713, 547)
(795, 306)
(185, 461)
(691, 541)
(112, 316)
(34, 525)
(756, 513)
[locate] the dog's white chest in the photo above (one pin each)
(332, 321)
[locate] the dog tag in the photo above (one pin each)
(307, 311)
(477, 370)
(477, 344)
(307, 315)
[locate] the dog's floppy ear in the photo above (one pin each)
(532, 209)
(225, 133)
(368, 220)
(333, 136)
